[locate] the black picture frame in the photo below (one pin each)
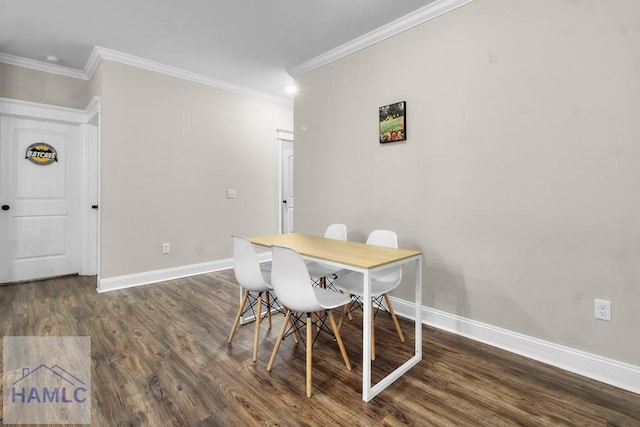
(392, 122)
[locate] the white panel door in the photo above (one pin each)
(287, 186)
(38, 221)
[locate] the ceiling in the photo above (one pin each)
(252, 44)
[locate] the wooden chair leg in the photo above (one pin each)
(336, 332)
(393, 316)
(344, 310)
(309, 352)
(287, 318)
(245, 296)
(257, 331)
(296, 334)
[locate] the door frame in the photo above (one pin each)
(285, 139)
(88, 122)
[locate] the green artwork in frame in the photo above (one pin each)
(393, 124)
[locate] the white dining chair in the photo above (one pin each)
(292, 285)
(256, 286)
(382, 283)
(323, 274)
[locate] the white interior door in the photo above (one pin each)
(286, 160)
(39, 235)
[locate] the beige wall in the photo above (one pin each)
(45, 88)
(170, 149)
(519, 179)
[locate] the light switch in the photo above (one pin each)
(231, 193)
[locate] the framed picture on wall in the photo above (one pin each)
(393, 123)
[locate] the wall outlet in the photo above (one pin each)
(165, 248)
(231, 193)
(602, 309)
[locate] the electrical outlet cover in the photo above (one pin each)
(602, 309)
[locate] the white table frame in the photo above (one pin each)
(369, 390)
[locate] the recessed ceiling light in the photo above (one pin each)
(291, 89)
(53, 59)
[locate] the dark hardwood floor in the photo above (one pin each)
(160, 358)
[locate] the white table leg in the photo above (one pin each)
(366, 340)
(369, 391)
(418, 302)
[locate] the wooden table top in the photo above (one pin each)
(355, 254)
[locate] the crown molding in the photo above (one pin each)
(424, 14)
(101, 53)
(42, 66)
(92, 62)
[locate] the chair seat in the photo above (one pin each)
(329, 299)
(352, 283)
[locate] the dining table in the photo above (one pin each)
(366, 259)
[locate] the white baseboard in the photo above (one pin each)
(609, 371)
(149, 277)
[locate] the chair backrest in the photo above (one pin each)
(389, 239)
(291, 282)
(336, 231)
(246, 266)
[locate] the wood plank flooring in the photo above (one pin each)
(160, 358)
